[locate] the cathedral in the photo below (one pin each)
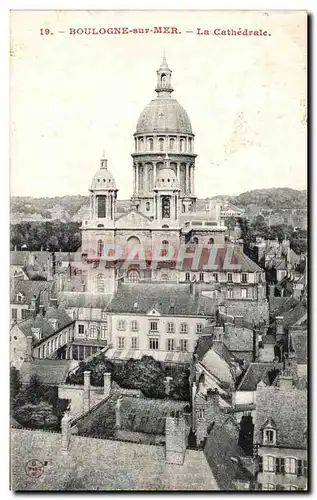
(163, 218)
(163, 202)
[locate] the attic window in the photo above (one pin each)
(19, 297)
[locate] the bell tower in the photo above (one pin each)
(164, 75)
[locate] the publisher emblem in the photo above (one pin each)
(34, 468)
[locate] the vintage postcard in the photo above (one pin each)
(158, 225)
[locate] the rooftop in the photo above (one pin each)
(256, 372)
(29, 289)
(49, 371)
(169, 300)
(104, 465)
(288, 409)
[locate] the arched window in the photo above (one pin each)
(164, 248)
(161, 143)
(163, 80)
(133, 246)
(172, 144)
(190, 142)
(166, 207)
(211, 241)
(182, 145)
(141, 144)
(100, 248)
(195, 241)
(133, 276)
(150, 144)
(147, 206)
(100, 283)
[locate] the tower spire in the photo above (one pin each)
(164, 74)
(103, 160)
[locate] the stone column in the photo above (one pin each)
(106, 384)
(145, 180)
(154, 174)
(193, 179)
(187, 178)
(86, 395)
(66, 431)
(137, 178)
(177, 172)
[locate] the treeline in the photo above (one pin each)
(35, 405)
(49, 235)
(145, 374)
(29, 205)
(274, 198)
(259, 228)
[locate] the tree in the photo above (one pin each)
(230, 223)
(36, 415)
(179, 386)
(15, 383)
(246, 434)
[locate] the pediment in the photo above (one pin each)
(153, 312)
(133, 218)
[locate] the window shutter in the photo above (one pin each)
(260, 464)
(299, 467)
(277, 465)
(282, 466)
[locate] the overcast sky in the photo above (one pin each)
(74, 96)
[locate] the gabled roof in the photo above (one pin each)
(299, 344)
(84, 299)
(43, 323)
(30, 288)
(255, 373)
(288, 409)
(49, 371)
(223, 454)
(168, 300)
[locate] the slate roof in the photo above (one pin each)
(63, 319)
(204, 343)
(299, 344)
(104, 465)
(293, 315)
(288, 409)
(30, 288)
(84, 299)
(21, 258)
(50, 371)
(223, 262)
(218, 367)
(254, 373)
(222, 453)
(167, 300)
(279, 305)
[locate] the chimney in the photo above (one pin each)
(66, 431)
(279, 322)
(238, 321)
(106, 384)
(29, 348)
(175, 439)
(285, 380)
(271, 290)
(31, 259)
(86, 396)
(168, 385)
(41, 309)
(291, 364)
(118, 416)
(218, 332)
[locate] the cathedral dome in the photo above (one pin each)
(164, 114)
(166, 179)
(103, 179)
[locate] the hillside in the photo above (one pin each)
(274, 198)
(66, 207)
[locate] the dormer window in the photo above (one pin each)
(53, 322)
(20, 297)
(269, 432)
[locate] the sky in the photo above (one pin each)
(74, 96)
